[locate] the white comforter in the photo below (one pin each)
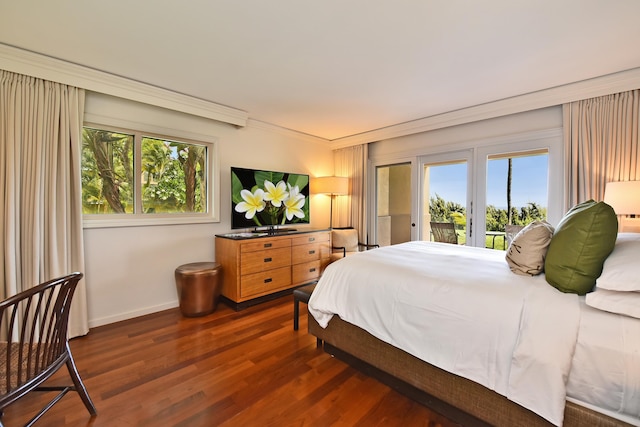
(461, 309)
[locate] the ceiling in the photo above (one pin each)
(335, 68)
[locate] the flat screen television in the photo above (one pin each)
(268, 200)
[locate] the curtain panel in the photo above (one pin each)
(601, 144)
(40, 187)
(351, 211)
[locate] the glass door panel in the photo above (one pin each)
(444, 196)
(516, 193)
(393, 204)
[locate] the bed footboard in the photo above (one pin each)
(461, 393)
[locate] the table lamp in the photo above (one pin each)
(333, 186)
(624, 198)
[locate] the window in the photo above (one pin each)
(469, 185)
(511, 189)
(516, 194)
(130, 175)
(444, 194)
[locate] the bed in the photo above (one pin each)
(508, 349)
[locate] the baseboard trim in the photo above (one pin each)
(93, 323)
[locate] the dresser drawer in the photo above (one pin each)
(311, 238)
(253, 262)
(261, 245)
(305, 253)
(265, 282)
(262, 265)
(306, 272)
(325, 250)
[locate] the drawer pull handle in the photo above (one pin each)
(267, 245)
(268, 280)
(267, 260)
(311, 270)
(312, 239)
(312, 252)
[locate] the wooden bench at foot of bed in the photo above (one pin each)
(463, 394)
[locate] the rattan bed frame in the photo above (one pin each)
(461, 393)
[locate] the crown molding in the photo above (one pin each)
(44, 67)
(599, 86)
(41, 66)
(257, 124)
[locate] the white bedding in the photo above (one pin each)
(469, 315)
(605, 373)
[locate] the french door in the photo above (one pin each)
(516, 192)
(518, 183)
(480, 189)
(393, 203)
(445, 180)
(504, 188)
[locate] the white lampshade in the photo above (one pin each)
(335, 185)
(623, 197)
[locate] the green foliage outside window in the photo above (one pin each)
(172, 176)
(496, 218)
(444, 211)
(107, 172)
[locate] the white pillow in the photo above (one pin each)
(621, 270)
(627, 303)
(528, 249)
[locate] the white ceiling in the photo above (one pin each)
(336, 68)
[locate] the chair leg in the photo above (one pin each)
(296, 312)
(79, 385)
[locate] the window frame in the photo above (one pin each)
(138, 218)
(465, 156)
(552, 143)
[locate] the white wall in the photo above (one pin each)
(130, 270)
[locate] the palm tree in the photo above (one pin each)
(509, 177)
(195, 158)
(101, 144)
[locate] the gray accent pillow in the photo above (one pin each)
(528, 249)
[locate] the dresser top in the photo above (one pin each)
(263, 233)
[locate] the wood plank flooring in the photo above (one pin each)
(247, 368)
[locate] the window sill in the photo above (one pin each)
(119, 221)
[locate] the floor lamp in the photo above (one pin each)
(333, 186)
(624, 198)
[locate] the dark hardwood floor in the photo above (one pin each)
(247, 368)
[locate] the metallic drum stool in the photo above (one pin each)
(199, 287)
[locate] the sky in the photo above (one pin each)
(529, 181)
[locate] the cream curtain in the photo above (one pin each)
(40, 187)
(601, 144)
(351, 211)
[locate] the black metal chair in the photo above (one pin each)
(510, 232)
(34, 343)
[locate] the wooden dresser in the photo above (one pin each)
(263, 265)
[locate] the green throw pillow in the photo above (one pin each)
(583, 240)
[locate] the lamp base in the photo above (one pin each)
(629, 225)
